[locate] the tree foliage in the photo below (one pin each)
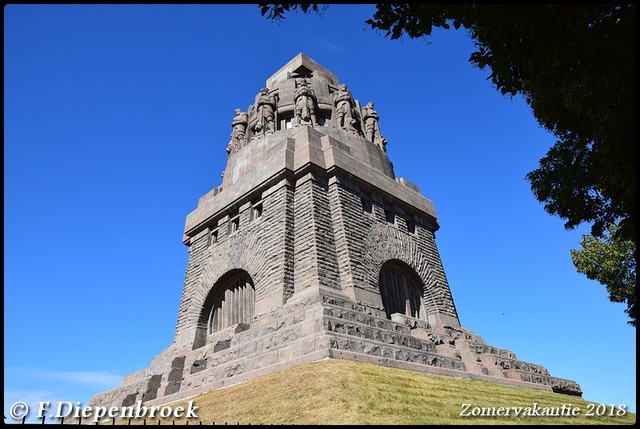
(276, 11)
(612, 263)
(575, 65)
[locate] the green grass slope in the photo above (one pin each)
(346, 392)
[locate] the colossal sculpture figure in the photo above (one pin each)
(313, 248)
(238, 134)
(264, 110)
(305, 102)
(344, 104)
(372, 129)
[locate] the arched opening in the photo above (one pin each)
(401, 290)
(230, 301)
(233, 302)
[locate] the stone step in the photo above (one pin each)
(376, 350)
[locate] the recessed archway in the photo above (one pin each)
(401, 290)
(230, 301)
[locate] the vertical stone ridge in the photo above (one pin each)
(195, 261)
(315, 261)
(289, 242)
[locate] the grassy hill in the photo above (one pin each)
(346, 392)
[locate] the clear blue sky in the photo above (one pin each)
(116, 122)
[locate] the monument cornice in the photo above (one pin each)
(292, 153)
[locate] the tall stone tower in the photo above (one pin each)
(312, 248)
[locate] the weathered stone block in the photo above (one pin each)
(221, 345)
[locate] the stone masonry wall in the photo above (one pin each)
(261, 246)
(315, 254)
(321, 326)
(370, 231)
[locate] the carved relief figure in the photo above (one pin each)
(239, 125)
(372, 129)
(343, 101)
(265, 108)
(305, 104)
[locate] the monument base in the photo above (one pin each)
(325, 326)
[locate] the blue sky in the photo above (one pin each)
(116, 122)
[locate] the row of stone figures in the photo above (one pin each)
(263, 116)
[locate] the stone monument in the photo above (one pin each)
(310, 249)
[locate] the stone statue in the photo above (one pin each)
(265, 108)
(343, 101)
(239, 125)
(372, 129)
(305, 104)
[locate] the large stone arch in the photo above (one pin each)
(242, 252)
(401, 290)
(236, 289)
(385, 243)
(230, 301)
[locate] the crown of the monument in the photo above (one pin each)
(301, 64)
(304, 120)
(301, 93)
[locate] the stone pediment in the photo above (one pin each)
(301, 65)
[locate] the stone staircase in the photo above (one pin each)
(321, 327)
